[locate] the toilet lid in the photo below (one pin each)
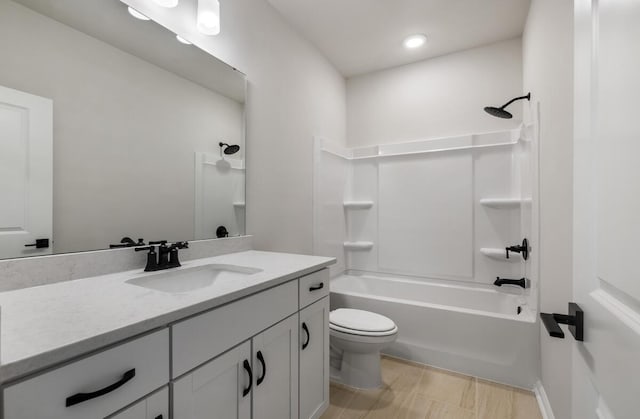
(360, 320)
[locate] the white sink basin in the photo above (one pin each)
(191, 279)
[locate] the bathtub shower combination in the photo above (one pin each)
(420, 230)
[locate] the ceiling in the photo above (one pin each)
(360, 36)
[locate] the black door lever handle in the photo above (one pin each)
(575, 320)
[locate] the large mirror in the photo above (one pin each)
(110, 128)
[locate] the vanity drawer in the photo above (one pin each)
(314, 287)
(201, 338)
(124, 373)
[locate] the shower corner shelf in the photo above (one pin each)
(239, 204)
(358, 204)
(500, 254)
(359, 245)
(502, 202)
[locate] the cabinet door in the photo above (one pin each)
(314, 359)
(275, 360)
(219, 389)
(155, 406)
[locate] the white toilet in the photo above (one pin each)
(357, 337)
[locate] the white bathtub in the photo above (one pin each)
(475, 330)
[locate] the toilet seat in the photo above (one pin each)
(360, 322)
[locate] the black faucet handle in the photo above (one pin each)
(140, 249)
(152, 261)
(160, 242)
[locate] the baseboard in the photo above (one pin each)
(543, 401)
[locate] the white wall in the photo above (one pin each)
(294, 94)
(125, 132)
(548, 74)
(439, 97)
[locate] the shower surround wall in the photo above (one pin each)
(439, 209)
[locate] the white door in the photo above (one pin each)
(606, 366)
(218, 389)
(275, 360)
(314, 359)
(155, 406)
(26, 161)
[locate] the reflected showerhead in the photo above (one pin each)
(230, 149)
(498, 112)
(501, 112)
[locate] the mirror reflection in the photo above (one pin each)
(113, 133)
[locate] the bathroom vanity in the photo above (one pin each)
(244, 335)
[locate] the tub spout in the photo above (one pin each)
(522, 282)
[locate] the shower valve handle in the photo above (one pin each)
(521, 248)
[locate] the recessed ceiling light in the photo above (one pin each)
(182, 40)
(133, 12)
(414, 41)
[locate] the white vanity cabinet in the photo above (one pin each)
(266, 377)
(314, 359)
(288, 362)
(220, 388)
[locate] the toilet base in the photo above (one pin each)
(358, 370)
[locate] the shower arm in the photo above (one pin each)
(527, 96)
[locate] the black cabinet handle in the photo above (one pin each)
(247, 368)
(39, 244)
(306, 330)
(264, 368)
(316, 287)
(83, 397)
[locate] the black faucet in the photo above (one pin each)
(519, 248)
(522, 282)
(165, 258)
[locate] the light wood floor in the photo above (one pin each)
(413, 391)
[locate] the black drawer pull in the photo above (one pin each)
(247, 368)
(264, 368)
(316, 287)
(39, 244)
(306, 330)
(83, 397)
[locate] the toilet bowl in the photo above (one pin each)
(356, 338)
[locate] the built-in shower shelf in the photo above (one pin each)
(360, 245)
(358, 204)
(503, 202)
(239, 204)
(500, 254)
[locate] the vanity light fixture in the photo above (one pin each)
(208, 17)
(166, 3)
(133, 12)
(182, 40)
(415, 41)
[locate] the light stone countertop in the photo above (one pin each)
(47, 325)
